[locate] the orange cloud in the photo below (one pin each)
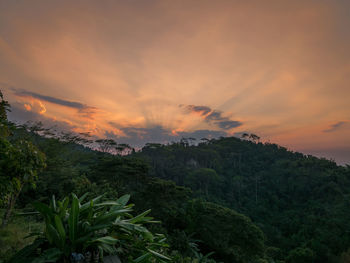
(35, 106)
(282, 67)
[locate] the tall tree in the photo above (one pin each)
(4, 108)
(20, 161)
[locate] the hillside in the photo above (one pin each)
(298, 205)
(297, 200)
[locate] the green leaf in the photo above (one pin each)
(82, 198)
(91, 211)
(158, 254)
(73, 219)
(63, 210)
(108, 248)
(87, 204)
(123, 200)
(141, 217)
(75, 196)
(106, 240)
(109, 217)
(109, 203)
(53, 203)
(54, 236)
(44, 210)
(60, 228)
(142, 258)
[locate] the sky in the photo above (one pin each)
(156, 71)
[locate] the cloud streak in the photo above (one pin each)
(336, 126)
(213, 116)
(83, 109)
(67, 103)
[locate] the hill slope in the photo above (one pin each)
(297, 200)
(301, 203)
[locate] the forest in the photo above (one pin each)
(215, 200)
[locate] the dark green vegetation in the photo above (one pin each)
(92, 228)
(204, 196)
(301, 203)
(20, 162)
(70, 167)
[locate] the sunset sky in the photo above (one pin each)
(156, 71)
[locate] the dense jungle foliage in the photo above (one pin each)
(300, 202)
(243, 200)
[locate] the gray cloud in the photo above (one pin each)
(335, 126)
(83, 109)
(138, 137)
(203, 110)
(71, 104)
(199, 134)
(153, 134)
(213, 116)
(19, 115)
(226, 125)
(157, 134)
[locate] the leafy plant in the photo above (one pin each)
(74, 227)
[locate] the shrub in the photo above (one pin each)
(74, 228)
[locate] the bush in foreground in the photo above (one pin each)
(75, 229)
